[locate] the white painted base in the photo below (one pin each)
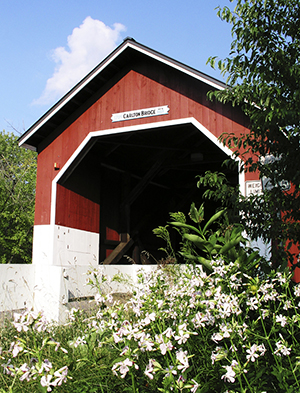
(56, 289)
(16, 283)
(42, 248)
(61, 246)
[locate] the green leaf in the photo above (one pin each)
(231, 244)
(196, 215)
(195, 258)
(186, 226)
(199, 242)
(213, 219)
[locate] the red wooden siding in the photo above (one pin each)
(149, 87)
(75, 211)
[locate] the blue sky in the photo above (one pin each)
(47, 46)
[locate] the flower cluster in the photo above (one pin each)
(36, 368)
(192, 304)
(44, 371)
(181, 330)
(29, 319)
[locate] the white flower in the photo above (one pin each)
(123, 367)
(219, 270)
(46, 382)
(287, 305)
(163, 348)
(181, 356)
(262, 349)
(252, 303)
(195, 386)
(297, 290)
(199, 320)
(219, 354)
(235, 281)
(7, 367)
(41, 323)
(234, 363)
(229, 376)
(208, 293)
(149, 318)
(285, 350)
(149, 371)
(99, 299)
(281, 278)
(117, 337)
(216, 337)
(281, 319)
(20, 322)
(15, 348)
(79, 341)
(252, 353)
(168, 332)
(125, 350)
(170, 370)
(26, 372)
(61, 376)
(282, 349)
(265, 313)
(225, 330)
(273, 295)
(46, 365)
(159, 303)
(183, 335)
(72, 313)
(109, 298)
(146, 343)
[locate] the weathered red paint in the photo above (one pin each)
(75, 211)
(137, 89)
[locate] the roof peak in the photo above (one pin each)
(77, 95)
(129, 39)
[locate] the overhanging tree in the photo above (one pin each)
(17, 195)
(263, 70)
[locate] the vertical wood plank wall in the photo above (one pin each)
(145, 86)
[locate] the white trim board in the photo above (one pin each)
(135, 128)
(98, 69)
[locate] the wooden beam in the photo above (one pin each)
(131, 197)
(122, 170)
(118, 252)
(140, 145)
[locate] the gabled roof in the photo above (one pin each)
(97, 78)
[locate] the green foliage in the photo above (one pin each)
(225, 242)
(17, 194)
(217, 188)
(163, 233)
(263, 70)
(182, 330)
(218, 237)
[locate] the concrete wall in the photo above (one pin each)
(59, 245)
(16, 287)
(55, 289)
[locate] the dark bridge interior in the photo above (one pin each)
(138, 178)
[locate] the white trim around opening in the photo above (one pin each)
(135, 128)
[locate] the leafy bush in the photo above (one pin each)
(17, 195)
(218, 238)
(182, 330)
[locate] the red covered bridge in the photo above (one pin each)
(121, 150)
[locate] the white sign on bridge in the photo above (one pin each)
(253, 187)
(140, 113)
